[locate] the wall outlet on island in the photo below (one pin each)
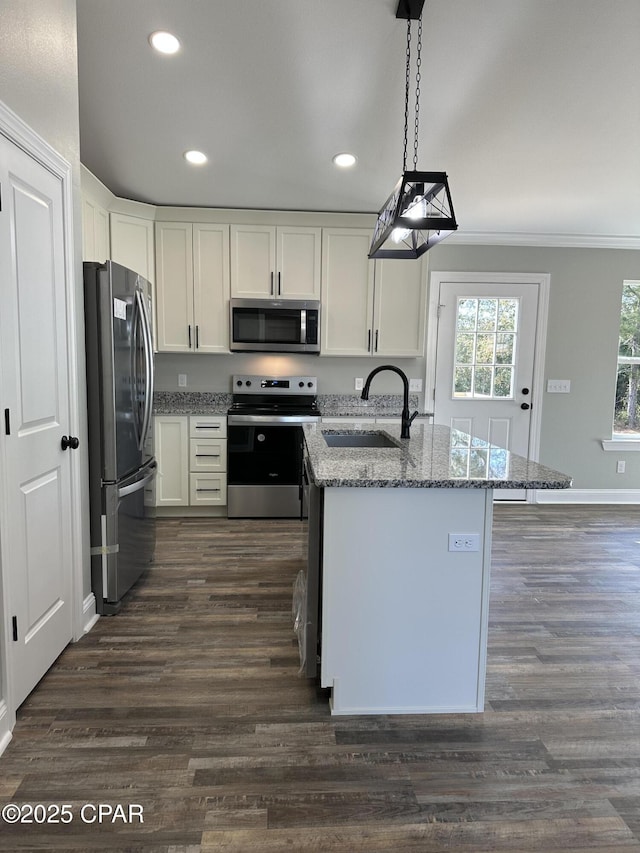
(415, 385)
(182, 380)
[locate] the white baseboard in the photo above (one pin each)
(587, 496)
(89, 615)
(5, 729)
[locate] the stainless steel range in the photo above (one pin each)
(264, 444)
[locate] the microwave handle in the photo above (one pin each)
(303, 326)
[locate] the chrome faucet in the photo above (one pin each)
(407, 419)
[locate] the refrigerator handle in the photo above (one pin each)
(148, 357)
(136, 322)
(136, 486)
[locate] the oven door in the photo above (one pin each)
(264, 470)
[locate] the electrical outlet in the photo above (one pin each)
(558, 386)
(359, 384)
(415, 385)
(464, 541)
(620, 467)
(182, 380)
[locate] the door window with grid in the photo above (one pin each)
(485, 347)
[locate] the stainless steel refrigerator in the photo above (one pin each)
(122, 467)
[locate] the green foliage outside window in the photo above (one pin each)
(627, 412)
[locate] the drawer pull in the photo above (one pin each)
(208, 426)
(207, 490)
(207, 456)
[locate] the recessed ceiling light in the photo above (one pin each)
(344, 160)
(196, 158)
(164, 42)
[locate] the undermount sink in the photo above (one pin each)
(358, 439)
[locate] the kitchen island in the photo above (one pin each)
(403, 540)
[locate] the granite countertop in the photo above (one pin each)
(190, 403)
(330, 405)
(377, 406)
(434, 457)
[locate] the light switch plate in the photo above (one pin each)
(415, 385)
(359, 384)
(558, 386)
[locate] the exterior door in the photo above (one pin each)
(485, 365)
(34, 384)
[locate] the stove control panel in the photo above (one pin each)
(274, 384)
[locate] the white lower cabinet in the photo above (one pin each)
(208, 489)
(207, 461)
(171, 442)
(192, 460)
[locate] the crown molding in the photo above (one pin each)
(566, 241)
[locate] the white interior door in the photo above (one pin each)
(485, 367)
(34, 385)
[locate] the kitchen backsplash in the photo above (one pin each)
(337, 405)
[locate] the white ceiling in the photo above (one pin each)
(530, 106)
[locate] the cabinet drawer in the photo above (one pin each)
(208, 489)
(207, 454)
(208, 426)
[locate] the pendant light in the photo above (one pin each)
(419, 212)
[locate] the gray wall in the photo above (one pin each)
(335, 375)
(39, 82)
(582, 345)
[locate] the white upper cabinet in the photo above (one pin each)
(95, 231)
(132, 244)
(347, 292)
(400, 307)
(369, 308)
(269, 262)
(192, 288)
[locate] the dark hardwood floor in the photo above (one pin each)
(189, 705)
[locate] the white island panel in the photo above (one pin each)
(404, 622)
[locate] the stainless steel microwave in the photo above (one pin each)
(275, 325)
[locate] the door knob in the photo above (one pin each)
(525, 406)
(69, 441)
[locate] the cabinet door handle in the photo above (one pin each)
(369, 341)
(279, 284)
(189, 335)
(376, 348)
(272, 289)
(197, 336)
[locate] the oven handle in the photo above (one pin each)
(271, 420)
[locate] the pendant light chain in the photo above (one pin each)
(406, 95)
(418, 77)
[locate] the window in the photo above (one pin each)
(485, 348)
(626, 419)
